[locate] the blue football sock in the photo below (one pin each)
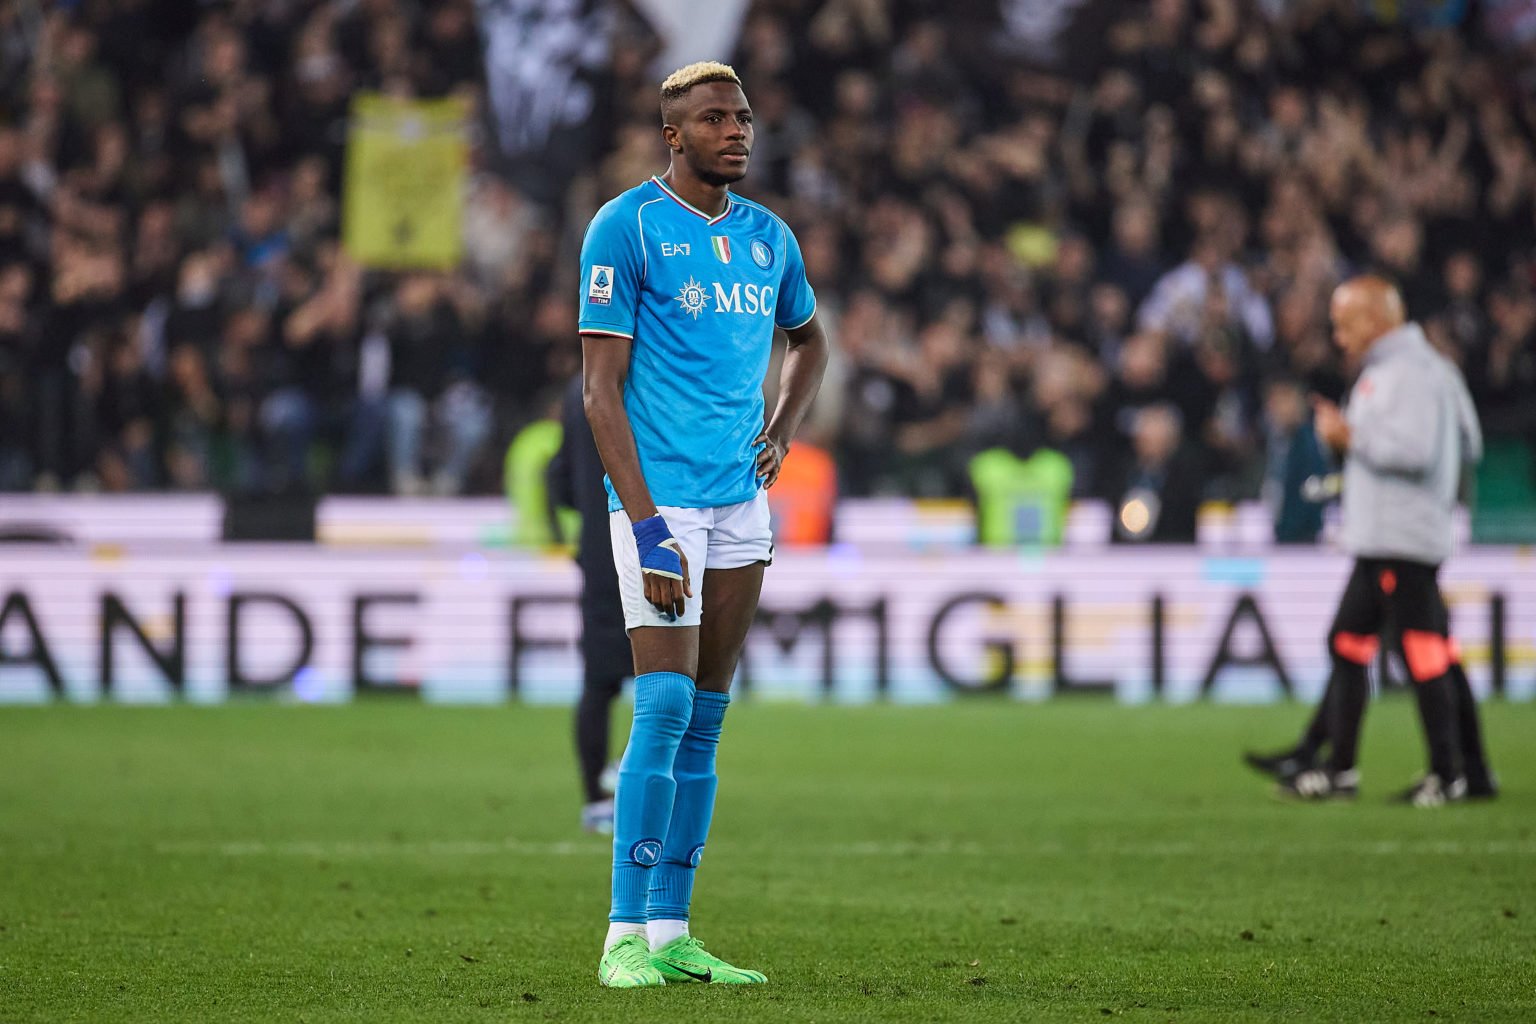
(643, 802)
(694, 806)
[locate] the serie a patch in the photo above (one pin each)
(600, 286)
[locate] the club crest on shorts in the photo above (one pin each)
(722, 246)
(762, 254)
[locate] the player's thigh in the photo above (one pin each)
(1418, 609)
(661, 642)
(690, 527)
(1360, 611)
(1412, 592)
(1358, 621)
(666, 649)
(740, 547)
(729, 611)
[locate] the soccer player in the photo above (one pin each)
(682, 286)
(1409, 427)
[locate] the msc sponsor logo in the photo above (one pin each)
(693, 298)
(744, 298)
(749, 299)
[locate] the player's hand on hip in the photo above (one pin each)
(770, 458)
(663, 566)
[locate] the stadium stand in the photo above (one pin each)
(1013, 253)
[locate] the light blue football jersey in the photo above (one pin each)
(699, 297)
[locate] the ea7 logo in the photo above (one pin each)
(676, 249)
(744, 299)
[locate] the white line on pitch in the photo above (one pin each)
(343, 849)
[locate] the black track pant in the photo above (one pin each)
(607, 663)
(1406, 595)
(1468, 728)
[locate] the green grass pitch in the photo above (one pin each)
(981, 861)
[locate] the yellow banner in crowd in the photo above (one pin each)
(404, 189)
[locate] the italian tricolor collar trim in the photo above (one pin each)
(730, 204)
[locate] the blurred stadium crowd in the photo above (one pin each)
(1126, 260)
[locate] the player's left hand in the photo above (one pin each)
(770, 458)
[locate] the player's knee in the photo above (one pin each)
(1428, 654)
(664, 699)
(1354, 648)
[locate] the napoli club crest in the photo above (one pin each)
(646, 853)
(762, 255)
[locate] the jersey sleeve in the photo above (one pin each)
(797, 303)
(612, 270)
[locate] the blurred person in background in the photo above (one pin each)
(1298, 488)
(536, 523)
(1157, 488)
(431, 396)
(1463, 322)
(308, 363)
(194, 414)
(1409, 428)
(575, 478)
(1132, 261)
(1180, 301)
(933, 394)
(18, 340)
(1297, 465)
(1501, 372)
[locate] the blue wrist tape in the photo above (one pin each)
(659, 550)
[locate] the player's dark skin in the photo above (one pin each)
(709, 134)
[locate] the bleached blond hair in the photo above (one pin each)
(677, 84)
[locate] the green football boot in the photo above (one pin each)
(627, 964)
(686, 959)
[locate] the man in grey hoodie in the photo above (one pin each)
(1408, 430)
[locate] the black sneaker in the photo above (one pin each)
(1429, 791)
(1482, 786)
(1283, 764)
(1320, 784)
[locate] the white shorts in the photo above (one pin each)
(727, 537)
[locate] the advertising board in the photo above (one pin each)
(320, 624)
